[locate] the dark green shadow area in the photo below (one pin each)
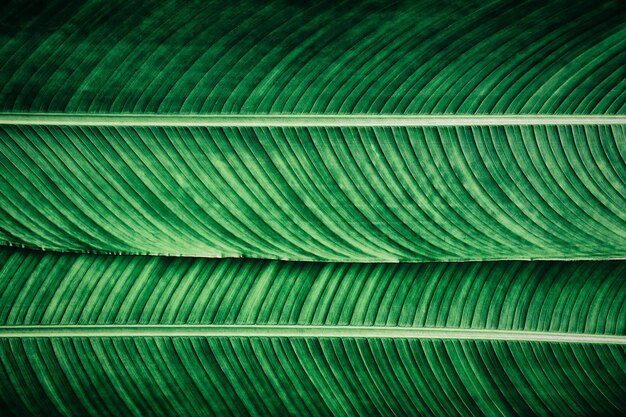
(408, 57)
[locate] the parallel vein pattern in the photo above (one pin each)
(309, 377)
(415, 57)
(343, 194)
(319, 376)
(276, 338)
(63, 289)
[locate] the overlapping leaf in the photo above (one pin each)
(347, 194)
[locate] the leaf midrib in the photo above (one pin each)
(303, 120)
(302, 331)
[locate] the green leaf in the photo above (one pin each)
(128, 133)
(340, 194)
(118, 335)
(350, 57)
(391, 133)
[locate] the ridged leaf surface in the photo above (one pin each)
(414, 57)
(414, 136)
(503, 356)
(341, 194)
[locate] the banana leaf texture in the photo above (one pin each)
(120, 335)
(298, 208)
(124, 133)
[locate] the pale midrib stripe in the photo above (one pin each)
(302, 331)
(295, 120)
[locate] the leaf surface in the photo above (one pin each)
(485, 366)
(338, 194)
(418, 137)
(356, 360)
(349, 57)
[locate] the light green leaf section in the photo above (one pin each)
(343, 362)
(314, 193)
(64, 289)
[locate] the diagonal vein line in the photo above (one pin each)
(309, 120)
(298, 331)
